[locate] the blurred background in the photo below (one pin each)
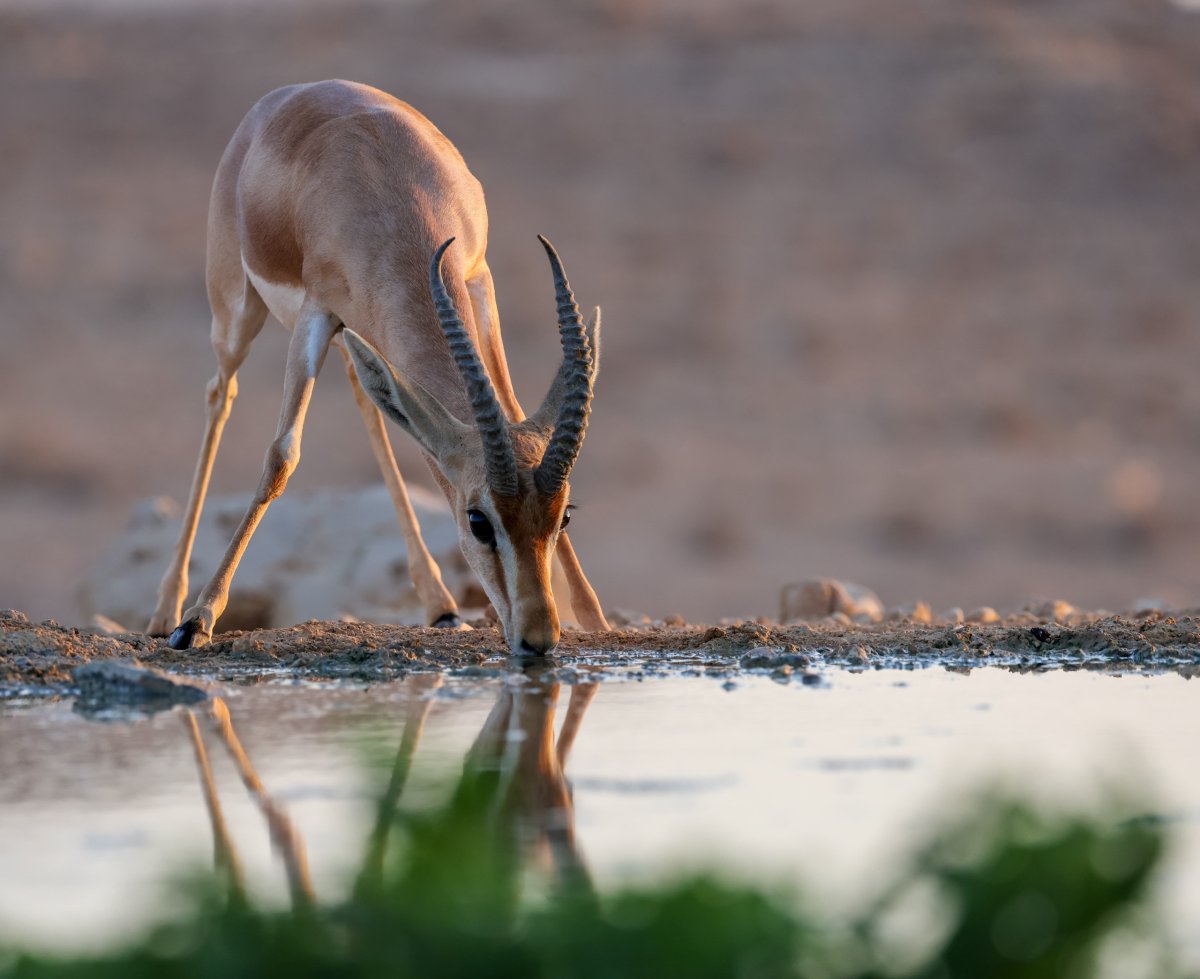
(907, 294)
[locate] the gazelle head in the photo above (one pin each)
(506, 483)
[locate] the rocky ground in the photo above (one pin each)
(41, 657)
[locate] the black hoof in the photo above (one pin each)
(448, 620)
(182, 637)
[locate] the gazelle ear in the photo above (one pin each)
(547, 414)
(404, 401)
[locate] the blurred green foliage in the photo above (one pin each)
(1019, 894)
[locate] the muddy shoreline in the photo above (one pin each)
(41, 657)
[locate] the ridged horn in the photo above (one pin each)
(576, 375)
(493, 428)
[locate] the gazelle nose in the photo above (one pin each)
(538, 647)
(536, 630)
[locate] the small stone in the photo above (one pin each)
(812, 599)
(111, 684)
(759, 657)
(1056, 610)
(952, 616)
(819, 597)
(674, 621)
(917, 612)
(864, 603)
(836, 620)
(247, 643)
(713, 632)
(985, 615)
(628, 617)
(859, 654)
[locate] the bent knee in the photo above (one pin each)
(220, 393)
(282, 458)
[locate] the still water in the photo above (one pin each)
(833, 783)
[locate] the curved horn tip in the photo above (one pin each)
(550, 249)
(435, 263)
(437, 255)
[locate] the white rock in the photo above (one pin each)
(323, 555)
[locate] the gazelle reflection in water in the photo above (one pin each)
(515, 760)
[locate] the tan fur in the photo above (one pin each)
(338, 194)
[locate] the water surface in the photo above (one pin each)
(832, 783)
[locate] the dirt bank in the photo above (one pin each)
(41, 657)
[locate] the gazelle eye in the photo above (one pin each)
(566, 517)
(481, 527)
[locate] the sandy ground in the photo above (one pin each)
(907, 298)
(40, 658)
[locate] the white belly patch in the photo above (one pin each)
(283, 301)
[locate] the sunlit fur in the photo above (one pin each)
(340, 193)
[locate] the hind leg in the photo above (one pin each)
(231, 339)
(306, 353)
(439, 605)
(584, 603)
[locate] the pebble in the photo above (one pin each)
(952, 616)
(628, 617)
(817, 598)
(917, 612)
(1056, 610)
(812, 599)
(866, 604)
(759, 657)
(985, 615)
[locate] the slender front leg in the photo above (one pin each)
(583, 600)
(439, 605)
(231, 341)
(306, 353)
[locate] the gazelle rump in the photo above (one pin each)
(347, 215)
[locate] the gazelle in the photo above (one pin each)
(327, 206)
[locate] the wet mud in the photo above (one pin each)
(41, 658)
